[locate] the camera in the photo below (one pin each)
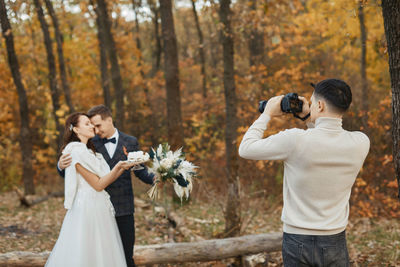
(290, 104)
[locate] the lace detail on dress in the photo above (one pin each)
(110, 205)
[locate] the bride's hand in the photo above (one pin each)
(126, 165)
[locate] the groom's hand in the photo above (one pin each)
(64, 161)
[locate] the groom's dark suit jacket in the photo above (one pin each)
(120, 190)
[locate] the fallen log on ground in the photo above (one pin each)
(30, 200)
(208, 250)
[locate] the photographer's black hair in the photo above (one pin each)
(336, 92)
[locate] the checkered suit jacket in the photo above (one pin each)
(120, 190)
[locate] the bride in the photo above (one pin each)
(89, 235)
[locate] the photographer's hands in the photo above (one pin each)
(273, 107)
(306, 108)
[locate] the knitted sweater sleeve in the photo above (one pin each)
(275, 147)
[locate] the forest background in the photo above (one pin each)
(280, 46)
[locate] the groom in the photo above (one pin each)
(110, 143)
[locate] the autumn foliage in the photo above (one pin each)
(302, 42)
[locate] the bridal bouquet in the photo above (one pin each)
(169, 166)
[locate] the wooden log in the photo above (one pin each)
(30, 200)
(23, 259)
(208, 250)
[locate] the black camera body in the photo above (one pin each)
(290, 104)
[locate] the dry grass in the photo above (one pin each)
(371, 242)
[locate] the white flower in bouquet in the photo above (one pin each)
(166, 163)
(186, 168)
(169, 166)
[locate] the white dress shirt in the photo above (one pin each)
(111, 147)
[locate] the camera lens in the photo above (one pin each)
(290, 104)
(261, 105)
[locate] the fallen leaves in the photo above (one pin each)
(371, 241)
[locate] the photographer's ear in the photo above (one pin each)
(321, 106)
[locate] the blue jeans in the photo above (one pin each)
(315, 250)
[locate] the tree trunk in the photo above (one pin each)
(185, 38)
(213, 47)
(153, 135)
(113, 59)
(171, 72)
(105, 77)
(201, 50)
(391, 19)
(25, 132)
(256, 41)
(208, 250)
(34, 55)
(363, 66)
(61, 62)
(158, 49)
(55, 96)
(232, 216)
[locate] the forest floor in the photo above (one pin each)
(371, 241)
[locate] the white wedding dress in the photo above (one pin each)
(89, 235)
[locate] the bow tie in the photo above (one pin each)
(112, 140)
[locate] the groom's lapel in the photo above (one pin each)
(101, 148)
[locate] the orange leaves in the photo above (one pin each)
(372, 202)
(260, 165)
(392, 184)
(387, 159)
(304, 41)
(365, 209)
(360, 182)
(8, 32)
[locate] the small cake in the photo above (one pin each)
(138, 156)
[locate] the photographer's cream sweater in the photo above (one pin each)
(320, 167)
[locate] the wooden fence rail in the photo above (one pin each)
(207, 250)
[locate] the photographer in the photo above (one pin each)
(320, 167)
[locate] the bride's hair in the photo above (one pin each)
(70, 136)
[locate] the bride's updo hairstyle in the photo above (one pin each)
(70, 136)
